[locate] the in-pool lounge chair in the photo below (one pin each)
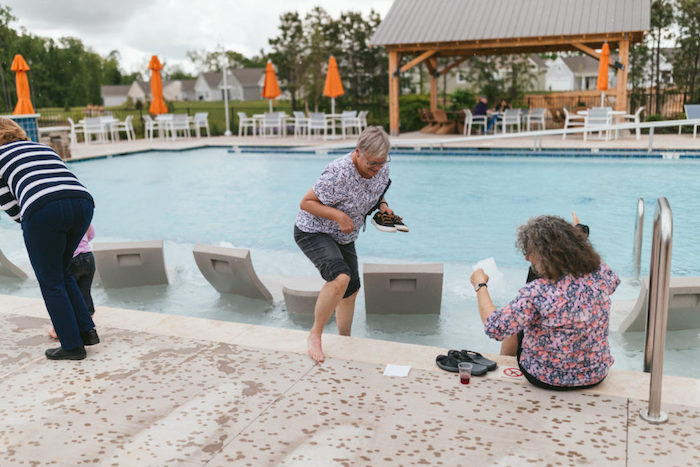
(130, 264)
(230, 270)
(8, 268)
(402, 288)
(683, 306)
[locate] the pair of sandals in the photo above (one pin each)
(480, 364)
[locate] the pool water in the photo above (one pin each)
(460, 210)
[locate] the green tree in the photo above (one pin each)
(661, 20)
(288, 54)
(686, 66)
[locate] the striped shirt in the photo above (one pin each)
(31, 175)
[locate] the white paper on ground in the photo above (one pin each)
(397, 370)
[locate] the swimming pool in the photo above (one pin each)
(460, 210)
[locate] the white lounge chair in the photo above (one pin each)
(9, 269)
(317, 122)
(274, 122)
(683, 306)
(692, 112)
(150, 127)
(402, 288)
(572, 121)
(94, 126)
(130, 264)
(349, 121)
(125, 126)
(230, 270)
(180, 124)
(301, 123)
(471, 120)
(362, 120)
(75, 128)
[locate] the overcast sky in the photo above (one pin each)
(169, 28)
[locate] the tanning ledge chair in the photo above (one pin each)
(683, 306)
(9, 269)
(130, 264)
(402, 288)
(230, 270)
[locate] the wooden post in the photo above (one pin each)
(621, 99)
(393, 94)
(432, 68)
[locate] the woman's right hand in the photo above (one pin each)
(479, 277)
(345, 223)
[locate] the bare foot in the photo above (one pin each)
(52, 333)
(315, 351)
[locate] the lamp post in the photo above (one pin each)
(225, 71)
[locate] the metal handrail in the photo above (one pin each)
(657, 314)
(638, 233)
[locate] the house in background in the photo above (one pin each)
(244, 84)
(180, 90)
(576, 73)
(140, 91)
(114, 95)
(251, 81)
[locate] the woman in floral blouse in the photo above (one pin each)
(563, 316)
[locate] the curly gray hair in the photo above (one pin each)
(374, 143)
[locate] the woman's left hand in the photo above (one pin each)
(479, 277)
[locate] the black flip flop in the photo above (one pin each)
(447, 363)
(476, 357)
(477, 368)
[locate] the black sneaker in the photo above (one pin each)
(398, 223)
(382, 221)
(59, 353)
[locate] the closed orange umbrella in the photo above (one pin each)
(158, 104)
(24, 100)
(271, 89)
(602, 83)
(333, 87)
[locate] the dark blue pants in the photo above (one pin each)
(51, 234)
(83, 269)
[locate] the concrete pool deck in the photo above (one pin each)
(172, 390)
(664, 142)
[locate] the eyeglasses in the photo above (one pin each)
(376, 164)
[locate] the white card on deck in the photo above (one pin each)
(397, 370)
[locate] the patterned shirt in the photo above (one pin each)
(565, 326)
(31, 175)
(342, 187)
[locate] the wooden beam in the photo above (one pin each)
(621, 98)
(587, 50)
(393, 94)
(419, 59)
(433, 83)
(453, 64)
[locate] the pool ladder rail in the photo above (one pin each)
(657, 315)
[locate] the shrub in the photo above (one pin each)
(408, 111)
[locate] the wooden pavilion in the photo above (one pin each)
(459, 29)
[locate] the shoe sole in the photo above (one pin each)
(402, 228)
(383, 228)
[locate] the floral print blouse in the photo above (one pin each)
(565, 325)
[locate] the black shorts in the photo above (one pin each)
(330, 257)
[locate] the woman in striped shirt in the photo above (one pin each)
(38, 191)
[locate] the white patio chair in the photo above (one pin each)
(598, 119)
(75, 128)
(201, 121)
(362, 120)
(470, 120)
(244, 123)
(180, 124)
(165, 126)
(301, 123)
(317, 122)
(572, 121)
(635, 118)
(150, 126)
(510, 118)
(94, 126)
(535, 116)
(126, 126)
(348, 121)
(272, 121)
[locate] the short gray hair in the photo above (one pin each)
(374, 142)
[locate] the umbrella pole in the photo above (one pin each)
(270, 100)
(332, 105)
(602, 99)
